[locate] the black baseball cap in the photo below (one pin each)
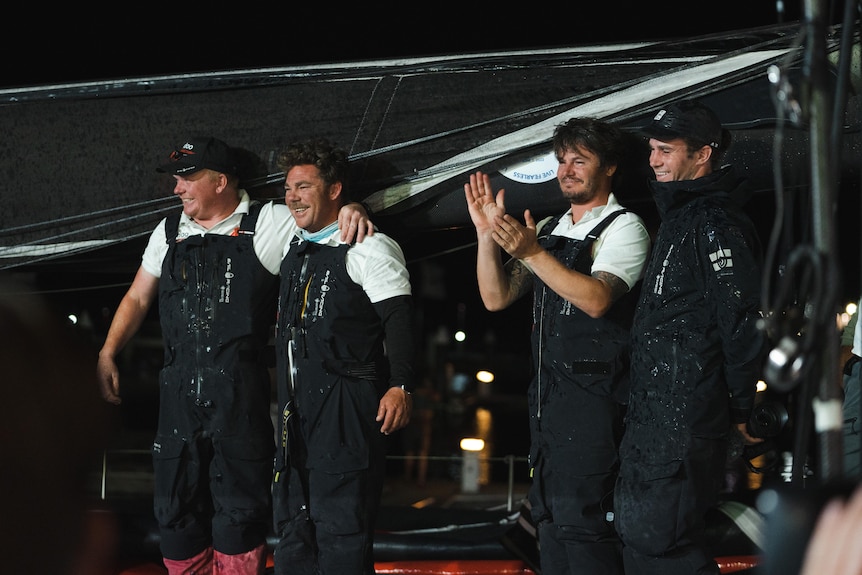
(687, 119)
(200, 153)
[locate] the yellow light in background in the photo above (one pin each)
(761, 385)
(484, 376)
(472, 444)
(483, 423)
(471, 472)
(844, 318)
(460, 335)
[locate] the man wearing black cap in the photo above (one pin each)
(214, 268)
(696, 348)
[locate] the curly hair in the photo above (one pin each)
(330, 160)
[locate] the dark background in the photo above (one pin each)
(70, 43)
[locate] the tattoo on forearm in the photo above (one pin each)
(520, 278)
(618, 286)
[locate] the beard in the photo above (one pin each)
(582, 196)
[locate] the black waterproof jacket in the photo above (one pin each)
(697, 349)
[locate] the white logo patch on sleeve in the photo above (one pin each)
(721, 259)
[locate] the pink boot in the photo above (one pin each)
(249, 563)
(200, 564)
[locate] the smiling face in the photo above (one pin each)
(313, 202)
(204, 196)
(582, 178)
(672, 161)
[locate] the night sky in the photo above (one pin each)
(71, 44)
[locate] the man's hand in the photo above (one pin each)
(394, 410)
(518, 240)
(354, 223)
(109, 379)
(482, 204)
(747, 437)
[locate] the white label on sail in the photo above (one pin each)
(533, 170)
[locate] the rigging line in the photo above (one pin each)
(571, 100)
(622, 116)
(73, 218)
(72, 233)
(499, 119)
(278, 177)
(31, 260)
(386, 112)
(68, 290)
(75, 232)
(230, 79)
(552, 105)
(365, 114)
(737, 67)
(368, 107)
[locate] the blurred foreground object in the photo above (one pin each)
(51, 440)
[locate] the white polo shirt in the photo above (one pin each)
(623, 247)
(275, 227)
(377, 264)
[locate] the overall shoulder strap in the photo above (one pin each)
(549, 226)
(172, 226)
(600, 227)
(249, 220)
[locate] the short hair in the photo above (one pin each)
(717, 157)
(331, 160)
(598, 137)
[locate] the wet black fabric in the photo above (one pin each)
(697, 353)
(396, 313)
(330, 463)
(576, 417)
(213, 449)
(600, 362)
(564, 546)
(661, 509)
